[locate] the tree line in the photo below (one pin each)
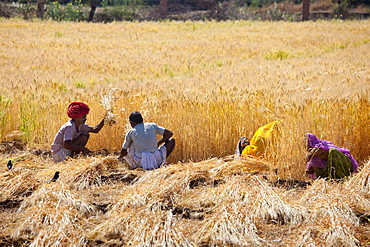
(163, 7)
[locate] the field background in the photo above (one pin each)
(209, 83)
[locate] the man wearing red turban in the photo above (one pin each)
(73, 135)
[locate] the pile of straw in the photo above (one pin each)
(211, 203)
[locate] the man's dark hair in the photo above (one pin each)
(136, 117)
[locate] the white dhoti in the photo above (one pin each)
(61, 155)
(147, 160)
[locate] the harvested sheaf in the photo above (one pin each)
(269, 206)
(332, 211)
(361, 181)
(229, 225)
(158, 188)
(323, 191)
(162, 230)
(91, 174)
(150, 228)
(244, 165)
(337, 222)
(52, 214)
(17, 183)
(56, 194)
(59, 237)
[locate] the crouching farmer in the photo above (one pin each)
(141, 148)
(74, 135)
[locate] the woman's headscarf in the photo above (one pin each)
(77, 109)
(315, 142)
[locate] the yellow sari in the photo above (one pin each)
(260, 139)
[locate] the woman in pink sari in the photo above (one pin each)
(325, 160)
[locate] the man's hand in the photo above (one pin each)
(123, 154)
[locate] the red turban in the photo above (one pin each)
(77, 109)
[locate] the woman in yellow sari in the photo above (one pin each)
(257, 145)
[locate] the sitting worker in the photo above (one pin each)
(257, 145)
(325, 160)
(141, 148)
(74, 135)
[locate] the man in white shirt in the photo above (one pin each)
(141, 148)
(73, 135)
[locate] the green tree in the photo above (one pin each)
(93, 4)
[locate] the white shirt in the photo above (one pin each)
(144, 137)
(68, 132)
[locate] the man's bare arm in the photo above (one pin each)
(97, 128)
(166, 136)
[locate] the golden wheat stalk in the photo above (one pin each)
(107, 101)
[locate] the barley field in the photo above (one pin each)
(209, 83)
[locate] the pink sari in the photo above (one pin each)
(315, 142)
